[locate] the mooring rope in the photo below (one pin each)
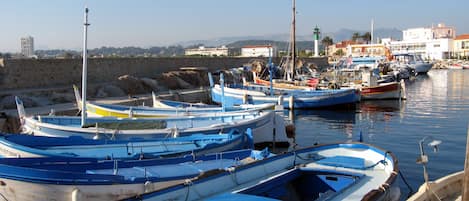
(407, 184)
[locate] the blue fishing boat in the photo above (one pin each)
(23, 146)
(352, 171)
(266, 126)
(162, 108)
(74, 179)
(236, 94)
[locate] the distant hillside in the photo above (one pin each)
(342, 34)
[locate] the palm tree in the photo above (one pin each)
(326, 42)
(366, 37)
(339, 52)
(355, 36)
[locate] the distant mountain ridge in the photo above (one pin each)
(340, 35)
(304, 42)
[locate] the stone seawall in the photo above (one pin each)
(19, 74)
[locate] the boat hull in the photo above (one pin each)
(385, 91)
(422, 68)
(350, 180)
(266, 126)
(27, 146)
(448, 188)
(85, 179)
(291, 100)
(27, 191)
(162, 109)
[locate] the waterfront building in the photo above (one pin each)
(435, 43)
(366, 50)
(461, 46)
(341, 48)
(208, 51)
(258, 51)
(27, 46)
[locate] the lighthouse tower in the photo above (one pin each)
(316, 41)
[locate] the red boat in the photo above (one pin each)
(390, 90)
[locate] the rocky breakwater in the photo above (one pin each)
(168, 85)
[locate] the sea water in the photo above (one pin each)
(437, 106)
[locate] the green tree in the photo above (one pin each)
(366, 37)
(356, 36)
(326, 42)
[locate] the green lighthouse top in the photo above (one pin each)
(316, 33)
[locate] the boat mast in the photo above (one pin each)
(84, 73)
(372, 30)
(292, 42)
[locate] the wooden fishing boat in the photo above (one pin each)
(289, 98)
(266, 126)
(162, 108)
(445, 188)
(74, 179)
(390, 90)
(352, 171)
(23, 146)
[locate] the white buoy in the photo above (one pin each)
(76, 195)
(279, 106)
(291, 102)
(403, 90)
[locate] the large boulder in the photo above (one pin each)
(109, 90)
(153, 84)
(173, 82)
(131, 85)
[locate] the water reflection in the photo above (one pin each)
(437, 105)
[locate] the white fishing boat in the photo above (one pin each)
(267, 126)
(162, 108)
(23, 146)
(352, 171)
(81, 179)
(446, 188)
(413, 61)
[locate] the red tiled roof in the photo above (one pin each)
(462, 37)
(345, 43)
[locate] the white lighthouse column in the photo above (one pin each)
(316, 41)
(316, 48)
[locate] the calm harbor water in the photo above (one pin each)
(437, 105)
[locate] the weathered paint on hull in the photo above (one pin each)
(237, 97)
(388, 91)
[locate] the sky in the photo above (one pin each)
(58, 24)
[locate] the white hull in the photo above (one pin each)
(265, 127)
(26, 191)
(445, 188)
(422, 67)
(225, 186)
